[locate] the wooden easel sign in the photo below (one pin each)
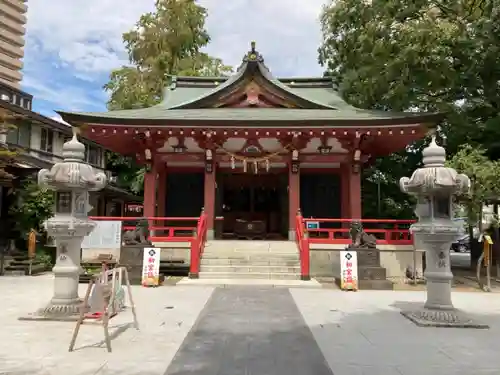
(151, 267)
(104, 299)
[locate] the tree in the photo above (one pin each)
(163, 43)
(484, 175)
(33, 206)
(420, 56)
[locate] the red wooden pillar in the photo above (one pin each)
(150, 194)
(293, 198)
(344, 192)
(209, 200)
(162, 191)
(161, 197)
(355, 192)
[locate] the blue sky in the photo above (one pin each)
(72, 46)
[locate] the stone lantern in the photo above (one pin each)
(434, 186)
(72, 180)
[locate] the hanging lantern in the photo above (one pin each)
(268, 165)
(255, 167)
(245, 165)
(233, 162)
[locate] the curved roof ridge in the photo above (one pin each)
(252, 63)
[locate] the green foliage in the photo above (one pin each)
(421, 56)
(162, 44)
(130, 174)
(34, 205)
(484, 175)
(44, 258)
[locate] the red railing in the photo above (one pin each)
(175, 231)
(303, 246)
(336, 231)
(198, 245)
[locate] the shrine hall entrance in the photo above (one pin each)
(252, 206)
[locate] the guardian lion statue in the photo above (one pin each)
(361, 239)
(138, 235)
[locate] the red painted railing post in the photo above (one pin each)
(303, 246)
(197, 244)
(304, 261)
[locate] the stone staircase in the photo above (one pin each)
(231, 259)
(19, 265)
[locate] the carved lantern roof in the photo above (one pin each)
(434, 178)
(73, 173)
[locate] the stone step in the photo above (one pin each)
(24, 270)
(249, 275)
(253, 258)
(253, 262)
(250, 269)
(254, 247)
(243, 252)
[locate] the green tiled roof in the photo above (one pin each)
(193, 98)
(285, 115)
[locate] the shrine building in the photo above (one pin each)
(252, 148)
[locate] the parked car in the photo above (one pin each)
(462, 245)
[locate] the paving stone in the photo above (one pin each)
(365, 332)
(249, 330)
(41, 348)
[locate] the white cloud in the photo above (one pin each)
(59, 95)
(86, 37)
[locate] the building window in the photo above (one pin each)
(19, 101)
(27, 104)
(21, 135)
(24, 135)
(93, 155)
(47, 140)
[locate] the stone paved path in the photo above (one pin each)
(250, 331)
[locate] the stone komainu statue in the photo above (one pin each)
(138, 235)
(361, 239)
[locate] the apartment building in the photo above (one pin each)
(12, 31)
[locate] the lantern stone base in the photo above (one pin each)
(443, 318)
(56, 312)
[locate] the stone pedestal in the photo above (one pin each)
(438, 269)
(131, 257)
(371, 275)
(66, 275)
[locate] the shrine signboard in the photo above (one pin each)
(348, 270)
(106, 235)
(151, 267)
